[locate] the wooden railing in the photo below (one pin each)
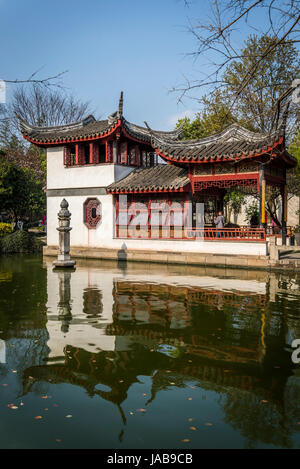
(241, 234)
(228, 234)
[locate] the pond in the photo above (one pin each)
(147, 356)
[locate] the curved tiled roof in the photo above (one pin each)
(86, 128)
(162, 177)
(233, 143)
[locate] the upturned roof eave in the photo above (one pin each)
(60, 135)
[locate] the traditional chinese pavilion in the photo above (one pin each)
(95, 164)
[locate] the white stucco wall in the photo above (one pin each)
(59, 177)
(293, 215)
(80, 234)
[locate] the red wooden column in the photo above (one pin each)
(76, 154)
(262, 196)
(91, 158)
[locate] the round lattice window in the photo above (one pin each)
(92, 213)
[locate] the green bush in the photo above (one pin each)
(20, 242)
(5, 228)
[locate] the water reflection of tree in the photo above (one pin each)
(257, 421)
(23, 314)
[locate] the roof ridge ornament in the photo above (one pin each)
(120, 111)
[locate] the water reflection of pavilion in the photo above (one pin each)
(215, 332)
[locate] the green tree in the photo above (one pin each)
(257, 102)
(214, 118)
(21, 193)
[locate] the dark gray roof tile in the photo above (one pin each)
(160, 177)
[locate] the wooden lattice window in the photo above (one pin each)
(92, 213)
(109, 152)
(123, 152)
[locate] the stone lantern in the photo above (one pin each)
(63, 259)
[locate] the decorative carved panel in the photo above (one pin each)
(248, 167)
(109, 152)
(222, 168)
(202, 170)
(123, 152)
(95, 153)
(92, 213)
(81, 154)
(224, 184)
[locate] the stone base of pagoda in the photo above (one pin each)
(64, 264)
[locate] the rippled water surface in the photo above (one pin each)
(147, 356)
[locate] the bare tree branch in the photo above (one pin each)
(48, 81)
(216, 37)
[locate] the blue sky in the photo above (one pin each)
(137, 46)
